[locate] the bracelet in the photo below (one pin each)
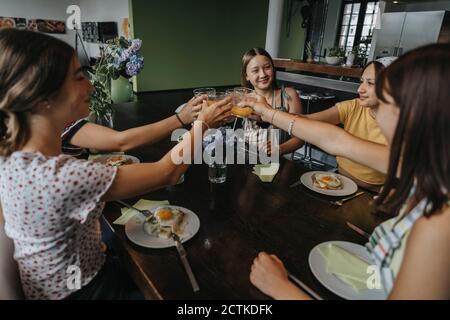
(179, 119)
(273, 116)
(291, 126)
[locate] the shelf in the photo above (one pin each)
(318, 68)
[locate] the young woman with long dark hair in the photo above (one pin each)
(412, 250)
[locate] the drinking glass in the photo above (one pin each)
(217, 172)
(216, 96)
(239, 94)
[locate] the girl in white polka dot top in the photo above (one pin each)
(52, 202)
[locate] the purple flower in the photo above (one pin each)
(124, 55)
(134, 65)
(135, 45)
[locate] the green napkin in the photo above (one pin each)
(142, 204)
(266, 172)
(346, 266)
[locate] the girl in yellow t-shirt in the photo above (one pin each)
(358, 118)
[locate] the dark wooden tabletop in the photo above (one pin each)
(238, 219)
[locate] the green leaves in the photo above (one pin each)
(336, 52)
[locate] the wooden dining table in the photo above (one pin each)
(238, 219)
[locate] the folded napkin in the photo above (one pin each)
(142, 204)
(266, 172)
(346, 266)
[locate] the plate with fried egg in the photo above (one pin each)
(156, 233)
(116, 160)
(331, 184)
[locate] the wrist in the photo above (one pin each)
(180, 119)
(185, 115)
(267, 115)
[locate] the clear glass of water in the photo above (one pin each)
(217, 173)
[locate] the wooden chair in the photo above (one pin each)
(10, 285)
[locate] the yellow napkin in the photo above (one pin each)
(346, 266)
(266, 172)
(142, 204)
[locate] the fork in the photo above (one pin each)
(341, 202)
(146, 213)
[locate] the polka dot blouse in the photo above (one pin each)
(51, 207)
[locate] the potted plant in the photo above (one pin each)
(309, 52)
(360, 56)
(351, 55)
(119, 61)
(335, 55)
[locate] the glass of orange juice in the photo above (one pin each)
(216, 96)
(239, 94)
(205, 91)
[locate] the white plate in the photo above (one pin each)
(104, 159)
(318, 266)
(134, 229)
(349, 187)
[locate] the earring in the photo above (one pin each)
(49, 106)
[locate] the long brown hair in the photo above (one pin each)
(378, 67)
(33, 67)
(249, 55)
(419, 83)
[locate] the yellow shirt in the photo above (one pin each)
(359, 122)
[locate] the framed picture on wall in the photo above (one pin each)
(90, 32)
(10, 22)
(47, 26)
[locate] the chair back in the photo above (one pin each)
(10, 285)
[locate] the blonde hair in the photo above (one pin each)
(33, 67)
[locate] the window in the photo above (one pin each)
(357, 24)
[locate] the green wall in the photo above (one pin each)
(292, 42)
(196, 43)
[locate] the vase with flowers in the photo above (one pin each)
(120, 60)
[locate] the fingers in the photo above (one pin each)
(196, 109)
(198, 100)
(276, 259)
(222, 103)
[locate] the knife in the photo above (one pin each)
(358, 230)
(295, 184)
(304, 287)
(184, 260)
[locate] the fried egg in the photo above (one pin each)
(171, 218)
(326, 181)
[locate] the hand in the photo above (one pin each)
(259, 105)
(269, 149)
(192, 108)
(254, 117)
(216, 114)
(269, 275)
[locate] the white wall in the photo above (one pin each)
(40, 9)
(91, 11)
(103, 11)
